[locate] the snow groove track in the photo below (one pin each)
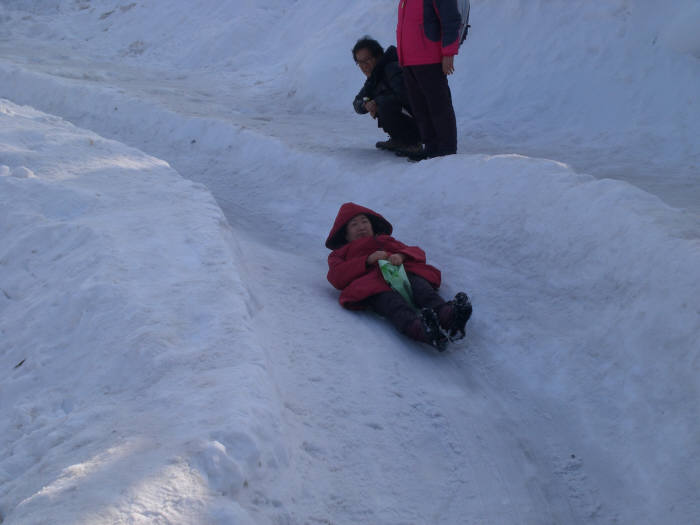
(435, 413)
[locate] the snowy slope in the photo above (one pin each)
(111, 301)
(185, 361)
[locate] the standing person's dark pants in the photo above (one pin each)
(396, 123)
(431, 102)
(393, 306)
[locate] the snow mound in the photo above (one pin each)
(123, 315)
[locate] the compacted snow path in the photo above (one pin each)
(245, 100)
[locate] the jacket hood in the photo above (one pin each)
(336, 238)
(390, 55)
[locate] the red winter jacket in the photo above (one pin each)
(427, 31)
(347, 264)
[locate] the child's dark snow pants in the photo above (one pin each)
(401, 314)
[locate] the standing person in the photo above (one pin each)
(427, 36)
(360, 238)
(383, 95)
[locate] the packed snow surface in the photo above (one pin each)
(170, 349)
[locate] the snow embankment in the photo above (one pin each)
(610, 88)
(130, 381)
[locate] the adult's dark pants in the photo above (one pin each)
(393, 306)
(431, 103)
(396, 123)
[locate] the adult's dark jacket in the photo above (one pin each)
(385, 82)
(347, 263)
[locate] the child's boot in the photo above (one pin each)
(426, 329)
(454, 316)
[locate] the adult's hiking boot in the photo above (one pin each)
(413, 152)
(390, 145)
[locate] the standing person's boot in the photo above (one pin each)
(419, 153)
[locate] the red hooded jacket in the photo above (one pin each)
(347, 264)
(427, 30)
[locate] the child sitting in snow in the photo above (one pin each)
(360, 238)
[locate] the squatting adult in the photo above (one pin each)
(383, 95)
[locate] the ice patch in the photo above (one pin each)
(22, 172)
(222, 472)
